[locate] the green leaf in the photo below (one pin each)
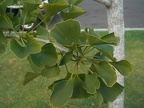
(78, 90)
(91, 83)
(3, 42)
(61, 94)
(106, 73)
(123, 66)
(48, 55)
(95, 40)
(36, 61)
(29, 46)
(2, 48)
(42, 31)
(66, 33)
(74, 2)
(54, 7)
(99, 98)
(111, 38)
(34, 67)
(73, 13)
(3, 5)
(50, 72)
(110, 93)
(83, 36)
(67, 77)
(5, 22)
(107, 50)
(29, 77)
(91, 32)
(66, 58)
(29, 7)
(46, 19)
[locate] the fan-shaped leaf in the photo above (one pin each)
(73, 13)
(61, 94)
(3, 5)
(111, 38)
(3, 42)
(123, 66)
(74, 2)
(106, 72)
(30, 46)
(48, 55)
(54, 7)
(67, 32)
(34, 58)
(29, 77)
(91, 83)
(110, 93)
(34, 67)
(66, 58)
(28, 7)
(93, 40)
(78, 90)
(50, 72)
(107, 50)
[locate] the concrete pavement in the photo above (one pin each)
(96, 14)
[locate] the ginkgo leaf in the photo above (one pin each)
(3, 42)
(54, 7)
(73, 13)
(28, 7)
(78, 90)
(74, 2)
(29, 77)
(66, 32)
(66, 58)
(107, 50)
(91, 83)
(123, 66)
(48, 55)
(106, 73)
(50, 72)
(110, 93)
(30, 46)
(111, 38)
(34, 67)
(61, 93)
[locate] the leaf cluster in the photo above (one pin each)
(90, 67)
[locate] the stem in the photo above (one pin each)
(66, 68)
(87, 50)
(87, 68)
(10, 25)
(23, 24)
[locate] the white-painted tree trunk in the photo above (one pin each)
(116, 24)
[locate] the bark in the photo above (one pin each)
(105, 2)
(116, 24)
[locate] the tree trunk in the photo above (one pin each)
(116, 24)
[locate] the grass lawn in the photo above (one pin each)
(35, 94)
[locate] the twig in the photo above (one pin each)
(105, 2)
(40, 40)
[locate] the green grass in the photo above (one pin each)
(134, 84)
(36, 94)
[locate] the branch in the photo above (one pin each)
(105, 2)
(40, 40)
